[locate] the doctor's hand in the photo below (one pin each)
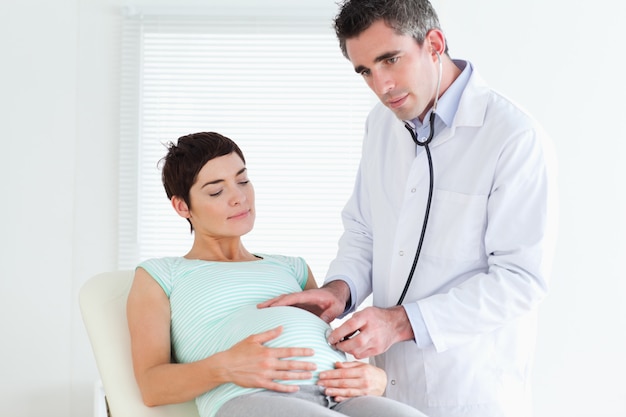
(353, 379)
(327, 302)
(372, 331)
(250, 364)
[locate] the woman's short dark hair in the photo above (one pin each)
(185, 159)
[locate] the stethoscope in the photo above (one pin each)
(425, 144)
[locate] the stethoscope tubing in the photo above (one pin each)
(431, 135)
(431, 187)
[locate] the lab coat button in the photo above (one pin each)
(393, 382)
(413, 190)
(401, 253)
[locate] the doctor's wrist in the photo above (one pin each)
(341, 291)
(402, 324)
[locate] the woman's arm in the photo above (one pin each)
(248, 363)
(310, 281)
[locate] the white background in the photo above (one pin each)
(562, 60)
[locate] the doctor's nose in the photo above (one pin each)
(381, 83)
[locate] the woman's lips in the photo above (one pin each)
(240, 215)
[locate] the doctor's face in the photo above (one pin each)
(402, 73)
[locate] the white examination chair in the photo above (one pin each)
(103, 306)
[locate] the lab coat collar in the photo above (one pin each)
(473, 103)
(468, 110)
(471, 110)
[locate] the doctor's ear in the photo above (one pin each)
(180, 206)
(436, 42)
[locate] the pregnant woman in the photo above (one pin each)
(195, 329)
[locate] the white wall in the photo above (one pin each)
(38, 102)
(59, 125)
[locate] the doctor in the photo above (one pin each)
(457, 267)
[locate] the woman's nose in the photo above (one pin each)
(238, 197)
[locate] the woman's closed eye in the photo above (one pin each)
(215, 194)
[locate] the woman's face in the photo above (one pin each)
(222, 199)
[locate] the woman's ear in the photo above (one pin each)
(181, 207)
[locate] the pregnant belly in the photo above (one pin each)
(300, 329)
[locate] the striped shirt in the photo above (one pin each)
(213, 306)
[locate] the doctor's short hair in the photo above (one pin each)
(185, 159)
(414, 18)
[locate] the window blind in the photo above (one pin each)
(279, 87)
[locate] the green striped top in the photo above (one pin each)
(213, 306)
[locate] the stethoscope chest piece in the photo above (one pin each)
(327, 335)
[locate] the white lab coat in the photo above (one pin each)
(485, 258)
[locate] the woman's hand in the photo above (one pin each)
(250, 364)
(353, 379)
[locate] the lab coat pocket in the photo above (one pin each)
(456, 226)
(462, 376)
